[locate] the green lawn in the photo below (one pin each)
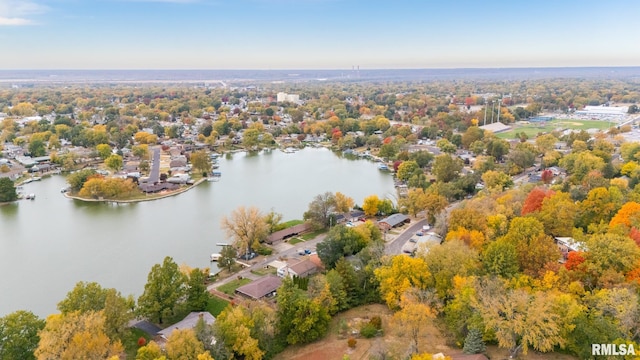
(313, 234)
(130, 341)
(532, 129)
(295, 240)
(291, 223)
(230, 287)
(215, 305)
(263, 272)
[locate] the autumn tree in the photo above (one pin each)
(104, 151)
(340, 241)
(399, 274)
(628, 215)
(413, 319)
(343, 202)
(370, 205)
(246, 227)
(76, 336)
(234, 326)
(163, 291)
(182, 344)
(19, 335)
(300, 319)
(446, 261)
(519, 320)
(141, 151)
(600, 206)
(151, 351)
(114, 162)
(200, 161)
(91, 297)
(501, 259)
(534, 199)
(320, 210)
(558, 214)
(227, 258)
(408, 169)
(472, 238)
(534, 248)
(496, 180)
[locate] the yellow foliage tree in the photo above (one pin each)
(370, 205)
(400, 274)
(473, 238)
(343, 202)
(413, 319)
(182, 344)
(76, 336)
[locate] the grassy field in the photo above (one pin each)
(313, 234)
(532, 129)
(215, 305)
(290, 223)
(263, 272)
(295, 240)
(230, 287)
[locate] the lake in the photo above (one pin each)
(49, 244)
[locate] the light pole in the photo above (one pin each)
(485, 112)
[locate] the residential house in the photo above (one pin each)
(189, 322)
(263, 287)
(301, 269)
(567, 245)
(392, 221)
(288, 232)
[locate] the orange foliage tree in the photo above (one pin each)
(473, 238)
(628, 215)
(533, 202)
(574, 259)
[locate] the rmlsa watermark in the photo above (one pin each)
(613, 349)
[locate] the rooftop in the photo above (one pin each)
(261, 287)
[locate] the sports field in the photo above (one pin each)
(532, 129)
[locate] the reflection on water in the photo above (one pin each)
(9, 210)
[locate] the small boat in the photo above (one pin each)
(213, 179)
(214, 155)
(36, 178)
(26, 181)
(215, 166)
(30, 197)
(216, 174)
(215, 257)
(383, 167)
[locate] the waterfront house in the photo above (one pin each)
(263, 287)
(287, 233)
(301, 269)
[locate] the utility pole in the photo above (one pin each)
(499, 101)
(485, 112)
(493, 105)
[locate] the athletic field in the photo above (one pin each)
(532, 129)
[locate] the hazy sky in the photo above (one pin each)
(316, 34)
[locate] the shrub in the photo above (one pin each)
(142, 341)
(264, 250)
(352, 342)
(368, 330)
(376, 321)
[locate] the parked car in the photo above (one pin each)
(419, 233)
(248, 256)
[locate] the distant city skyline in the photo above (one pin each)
(316, 34)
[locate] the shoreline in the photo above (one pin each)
(177, 192)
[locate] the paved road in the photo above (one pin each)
(395, 246)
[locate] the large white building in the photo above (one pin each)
(603, 112)
(282, 97)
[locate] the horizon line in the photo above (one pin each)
(324, 69)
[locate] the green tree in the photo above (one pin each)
(37, 147)
(501, 259)
(388, 151)
(408, 169)
(7, 190)
(301, 320)
(233, 327)
(141, 151)
(19, 335)
(227, 257)
(114, 162)
(197, 295)
(340, 241)
(201, 162)
(164, 289)
(250, 138)
(273, 220)
(78, 178)
(446, 261)
(473, 343)
(446, 146)
(320, 210)
(446, 168)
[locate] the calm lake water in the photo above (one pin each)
(49, 244)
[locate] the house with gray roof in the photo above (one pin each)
(260, 288)
(189, 322)
(394, 220)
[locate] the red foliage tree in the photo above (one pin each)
(387, 140)
(574, 259)
(396, 164)
(533, 202)
(547, 176)
(635, 235)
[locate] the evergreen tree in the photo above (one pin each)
(473, 343)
